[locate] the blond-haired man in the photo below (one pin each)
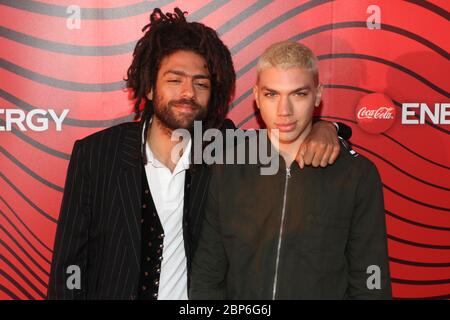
(317, 233)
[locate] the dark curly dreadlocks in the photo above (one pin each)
(166, 34)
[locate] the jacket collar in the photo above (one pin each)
(130, 146)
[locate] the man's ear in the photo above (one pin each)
(255, 94)
(318, 95)
(150, 95)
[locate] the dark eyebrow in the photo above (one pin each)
(183, 74)
(201, 76)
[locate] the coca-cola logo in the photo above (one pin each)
(375, 113)
(380, 113)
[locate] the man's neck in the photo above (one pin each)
(159, 140)
(290, 150)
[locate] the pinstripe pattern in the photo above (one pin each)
(99, 225)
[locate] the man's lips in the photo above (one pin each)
(285, 127)
(185, 107)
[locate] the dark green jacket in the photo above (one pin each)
(306, 234)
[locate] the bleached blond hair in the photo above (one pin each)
(289, 54)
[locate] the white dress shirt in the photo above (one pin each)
(167, 190)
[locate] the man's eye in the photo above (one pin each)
(203, 85)
(301, 94)
(174, 80)
(270, 94)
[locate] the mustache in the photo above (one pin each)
(190, 102)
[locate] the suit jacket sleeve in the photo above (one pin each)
(367, 245)
(69, 270)
(209, 266)
(344, 131)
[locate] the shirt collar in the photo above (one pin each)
(182, 164)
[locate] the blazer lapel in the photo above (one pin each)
(130, 187)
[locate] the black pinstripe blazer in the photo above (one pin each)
(99, 227)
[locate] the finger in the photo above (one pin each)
(301, 162)
(308, 155)
(301, 151)
(318, 155)
(326, 156)
(334, 154)
(303, 148)
(299, 157)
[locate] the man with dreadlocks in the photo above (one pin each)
(131, 215)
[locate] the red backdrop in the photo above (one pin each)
(49, 59)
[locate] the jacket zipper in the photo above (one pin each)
(283, 213)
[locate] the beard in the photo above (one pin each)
(172, 119)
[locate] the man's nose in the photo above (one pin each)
(187, 89)
(284, 107)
